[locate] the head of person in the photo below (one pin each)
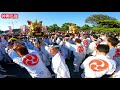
(78, 41)
(112, 41)
(94, 37)
(102, 49)
(53, 49)
(71, 37)
(21, 50)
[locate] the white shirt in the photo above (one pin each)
(59, 66)
(35, 66)
(96, 67)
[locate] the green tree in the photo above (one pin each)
(53, 27)
(109, 23)
(1, 31)
(86, 27)
(94, 19)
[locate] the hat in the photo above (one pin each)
(13, 39)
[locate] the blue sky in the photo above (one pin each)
(50, 18)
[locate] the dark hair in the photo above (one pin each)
(95, 37)
(114, 41)
(78, 40)
(103, 48)
(22, 50)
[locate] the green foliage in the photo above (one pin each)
(85, 27)
(1, 32)
(93, 19)
(109, 23)
(106, 29)
(53, 27)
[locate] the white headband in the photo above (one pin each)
(53, 46)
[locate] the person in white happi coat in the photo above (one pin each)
(92, 45)
(85, 42)
(112, 43)
(59, 66)
(64, 50)
(100, 65)
(46, 39)
(4, 55)
(28, 44)
(70, 53)
(42, 52)
(79, 52)
(30, 60)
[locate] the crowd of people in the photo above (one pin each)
(96, 55)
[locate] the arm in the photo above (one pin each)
(16, 58)
(71, 47)
(85, 63)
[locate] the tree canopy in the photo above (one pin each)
(94, 19)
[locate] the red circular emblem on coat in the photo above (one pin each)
(31, 60)
(85, 42)
(80, 49)
(98, 65)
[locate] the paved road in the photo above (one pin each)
(15, 71)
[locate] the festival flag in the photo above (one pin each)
(43, 28)
(10, 29)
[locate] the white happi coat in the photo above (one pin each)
(2, 50)
(43, 55)
(96, 67)
(74, 48)
(32, 63)
(91, 47)
(28, 44)
(85, 43)
(111, 53)
(4, 42)
(116, 57)
(64, 50)
(79, 52)
(59, 66)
